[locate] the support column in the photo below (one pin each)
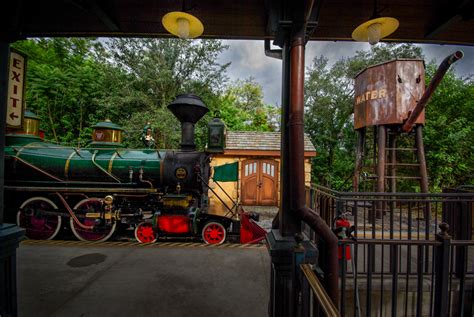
(288, 248)
(296, 126)
(10, 235)
(288, 223)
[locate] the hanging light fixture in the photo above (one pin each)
(376, 28)
(182, 24)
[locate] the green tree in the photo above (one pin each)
(449, 132)
(64, 81)
(152, 72)
(243, 109)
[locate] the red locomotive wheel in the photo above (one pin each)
(213, 233)
(100, 231)
(144, 233)
(36, 216)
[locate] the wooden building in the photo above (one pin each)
(257, 155)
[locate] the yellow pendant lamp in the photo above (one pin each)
(375, 29)
(182, 24)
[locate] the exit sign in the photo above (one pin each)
(16, 89)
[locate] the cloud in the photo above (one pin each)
(464, 67)
(248, 60)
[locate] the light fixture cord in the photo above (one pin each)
(375, 14)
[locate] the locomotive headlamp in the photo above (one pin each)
(182, 24)
(376, 28)
(108, 200)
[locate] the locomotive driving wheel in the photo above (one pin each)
(213, 233)
(144, 233)
(100, 229)
(36, 216)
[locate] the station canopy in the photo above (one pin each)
(422, 21)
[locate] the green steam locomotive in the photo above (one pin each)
(105, 187)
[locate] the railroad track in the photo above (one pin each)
(128, 244)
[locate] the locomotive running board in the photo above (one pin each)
(82, 189)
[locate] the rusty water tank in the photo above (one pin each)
(387, 93)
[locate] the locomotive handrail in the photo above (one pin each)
(77, 152)
(101, 168)
(39, 169)
(83, 189)
(218, 197)
(234, 203)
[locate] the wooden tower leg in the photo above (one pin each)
(392, 143)
(420, 152)
(359, 158)
(381, 156)
(421, 159)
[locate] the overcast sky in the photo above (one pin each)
(248, 59)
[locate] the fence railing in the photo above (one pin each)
(402, 216)
(404, 261)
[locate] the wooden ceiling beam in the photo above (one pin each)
(444, 24)
(103, 16)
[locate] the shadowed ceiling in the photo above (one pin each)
(420, 20)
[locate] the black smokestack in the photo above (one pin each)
(188, 108)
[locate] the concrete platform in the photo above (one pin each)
(87, 280)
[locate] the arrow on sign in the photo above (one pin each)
(13, 116)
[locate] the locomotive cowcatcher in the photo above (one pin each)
(104, 187)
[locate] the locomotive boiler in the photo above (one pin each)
(105, 187)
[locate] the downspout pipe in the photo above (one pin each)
(296, 166)
(278, 53)
(316, 223)
(438, 76)
(296, 124)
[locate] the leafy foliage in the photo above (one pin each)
(242, 108)
(449, 132)
(155, 71)
(75, 83)
(64, 83)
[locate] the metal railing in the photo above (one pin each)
(404, 261)
(316, 300)
(391, 280)
(402, 216)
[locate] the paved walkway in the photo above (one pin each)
(114, 279)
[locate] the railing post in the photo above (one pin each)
(287, 254)
(442, 271)
(302, 288)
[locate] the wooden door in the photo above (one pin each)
(259, 182)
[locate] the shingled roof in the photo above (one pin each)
(261, 141)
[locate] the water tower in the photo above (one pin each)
(389, 106)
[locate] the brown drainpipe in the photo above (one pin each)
(331, 279)
(296, 125)
(297, 173)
